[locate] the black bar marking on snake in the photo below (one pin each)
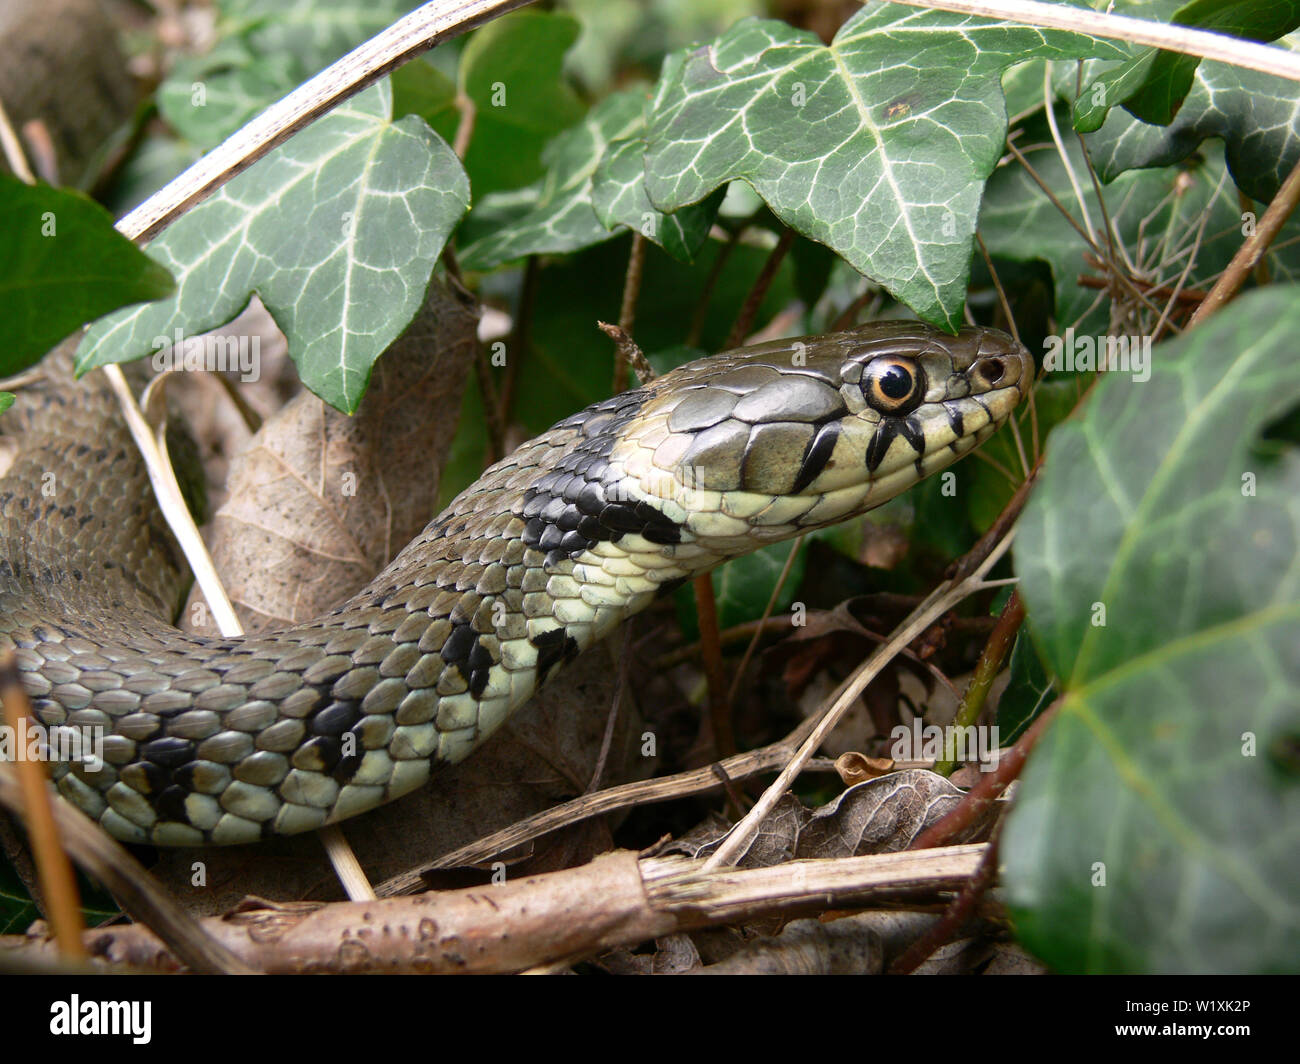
(553, 647)
(463, 651)
(570, 507)
(456, 650)
(170, 752)
(336, 718)
(880, 442)
(914, 434)
(157, 778)
(349, 764)
(326, 749)
(816, 455)
(171, 804)
(956, 420)
(183, 777)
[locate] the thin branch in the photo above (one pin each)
(706, 609)
(345, 864)
(629, 352)
(745, 319)
(1049, 110)
(1172, 38)
(1003, 302)
(53, 870)
(848, 317)
(12, 149)
(627, 312)
(1252, 251)
(940, 601)
(956, 916)
(986, 670)
(406, 38)
(625, 796)
(701, 312)
(172, 503)
(615, 709)
(464, 127)
(795, 547)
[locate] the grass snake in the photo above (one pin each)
(210, 740)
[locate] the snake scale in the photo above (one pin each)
(208, 740)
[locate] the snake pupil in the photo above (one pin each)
(896, 383)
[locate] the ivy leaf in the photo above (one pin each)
(1254, 114)
(554, 215)
(512, 70)
(207, 97)
(267, 48)
(420, 88)
(1028, 693)
(1153, 85)
(64, 265)
(884, 161)
(619, 198)
(742, 588)
(1157, 827)
(337, 231)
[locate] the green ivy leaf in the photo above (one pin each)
(266, 48)
(420, 88)
(1153, 85)
(64, 265)
(207, 97)
(881, 160)
(555, 214)
(512, 70)
(620, 199)
(742, 588)
(337, 231)
(1157, 561)
(17, 910)
(1028, 693)
(1254, 114)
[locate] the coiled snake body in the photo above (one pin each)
(209, 740)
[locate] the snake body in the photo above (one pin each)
(213, 741)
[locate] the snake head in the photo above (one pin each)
(772, 440)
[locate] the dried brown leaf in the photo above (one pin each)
(879, 816)
(320, 501)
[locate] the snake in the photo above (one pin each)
(204, 740)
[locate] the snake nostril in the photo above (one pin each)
(991, 369)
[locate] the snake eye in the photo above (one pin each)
(892, 386)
